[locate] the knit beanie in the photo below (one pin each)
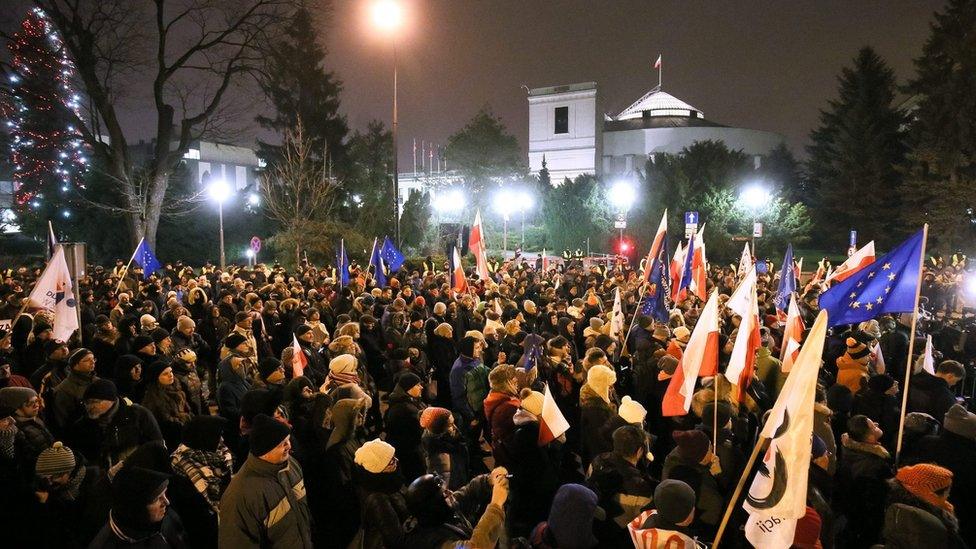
(725, 413)
(600, 378)
(881, 383)
(12, 398)
(692, 445)
(186, 355)
(77, 355)
(924, 480)
(807, 533)
(159, 334)
(267, 366)
(233, 340)
(435, 419)
(266, 434)
(101, 389)
(133, 488)
(667, 364)
(147, 321)
(596, 323)
(40, 328)
(818, 447)
(140, 342)
(571, 517)
(959, 421)
(185, 322)
(857, 350)
(674, 500)
(532, 401)
(661, 332)
(840, 399)
(682, 334)
(374, 455)
(203, 432)
(408, 381)
(343, 364)
(302, 329)
(632, 411)
(259, 401)
(499, 377)
(155, 369)
(56, 460)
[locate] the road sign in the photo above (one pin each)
(256, 244)
(619, 224)
(757, 229)
(691, 223)
(853, 242)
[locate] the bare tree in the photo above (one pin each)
(180, 56)
(300, 190)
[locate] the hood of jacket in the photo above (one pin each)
(495, 400)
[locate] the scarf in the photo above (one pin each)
(72, 490)
(209, 472)
(339, 379)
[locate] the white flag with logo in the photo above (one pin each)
(778, 495)
(53, 293)
(617, 318)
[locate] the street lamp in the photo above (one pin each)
(503, 205)
(622, 197)
(250, 256)
(754, 197)
(525, 203)
(388, 17)
(220, 191)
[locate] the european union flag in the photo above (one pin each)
(787, 281)
(376, 262)
(392, 257)
(342, 264)
(655, 302)
(145, 258)
(886, 286)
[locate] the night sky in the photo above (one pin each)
(759, 64)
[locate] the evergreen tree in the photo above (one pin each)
(299, 86)
(545, 181)
(942, 134)
(854, 169)
(41, 110)
(783, 171)
(415, 221)
(484, 152)
(369, 182)
(574, 211)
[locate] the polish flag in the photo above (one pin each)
(926, 361)
(545, 261)
(298, 360)
(859, 260)
(744, 303)
(476, 241)
(662, 231)
(745, 261)
(552, 424)
(460, 284)
(698, 266)
(798, 268)
(792, 336)
(700, 358)
(657, 64)
(677, 264)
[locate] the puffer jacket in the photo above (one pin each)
(911, 522)
(499, 411)
(265, 506)
(112, 437)
(594, 414)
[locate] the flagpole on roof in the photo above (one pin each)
(911, 345)
(125, 270)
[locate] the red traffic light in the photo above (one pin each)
(624, 247)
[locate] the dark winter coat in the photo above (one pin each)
(231, 387)
(535, 476)
(957, 454)
(624, 491)
(112, 437)
(169, 535)
(862, 472)
(404, 432)
(594, 415)
(910, 522)
(500, 408)
(383, 501)
(447, 457)
(67, 406)
(930, 394)
(441, 353)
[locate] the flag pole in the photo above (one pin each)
(125, 271)
(911, 346)
(738, 489)
(715, 414)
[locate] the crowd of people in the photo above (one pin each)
(257, 407)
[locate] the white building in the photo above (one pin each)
(565, 131)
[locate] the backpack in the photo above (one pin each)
(476, 387)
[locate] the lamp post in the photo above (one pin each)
(754, 197)
(622, 197)
(525, 203)
(388, 16)
(220, 191)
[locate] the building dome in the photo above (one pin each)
(658, 103)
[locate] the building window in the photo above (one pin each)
(562, 120)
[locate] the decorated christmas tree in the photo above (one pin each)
(42, 113)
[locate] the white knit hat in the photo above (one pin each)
(343, 364)
(532, 403)
(375, 455)
(147, 322)
(631, 410)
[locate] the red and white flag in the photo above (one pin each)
(698, 266)
(777, 498)
(552, 423)
(662, 231)
(657, 64)
(298, 360)
(459, 283)
(792, 336)
(700, 358)
(545, 261)
(677, 265)
(744, 303)
(745, 261)
(476, 241)
(858, 260)
(926, 362)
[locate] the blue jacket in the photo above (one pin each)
(230, 389)
(459, 392)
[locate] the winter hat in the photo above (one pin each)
(159, 334)
(957, 420)
(725, 413)
(574, 507)
(692, 445)
(682, 334)
(667, 364)
(674, 500)
(185, 322)
(77, 355)
(56, 460)
(302, 329)
(440, 308)
(870, 328)
(233, 340)
(186, 355)
(266, 434)
(140, 342)
(924, 480)
(343, 364)
(147, 322)
(499, 377)
(12, 398)
(375, 455)
(408, 381)
(632, 411)
(600, 378)
(532, 401)
(596, 323)
(259, 401)
(435, 419)
(101, 389)
(151, 455)
(807, 533)
(921, 423)
(268, 366)
(857, 350)
(133, 488)
(661, 332)
(40, 328)
(840, 399)
(203, 432)
(881, 383)
(154, 370)
(818, 448)
(529, 306)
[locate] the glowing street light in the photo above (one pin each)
(219, 192)
(387, 16)
(451, 200)
(253, 200)
(755, 198)
(622, 196)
